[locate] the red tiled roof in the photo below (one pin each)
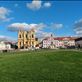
(61, 38)
(7, 42)
(64, 38)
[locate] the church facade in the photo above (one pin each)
(26, 39)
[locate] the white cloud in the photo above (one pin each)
(4, 12)
(56, 25)
(35, 5)
(78, 27)
(7, 38)
(42, 34)
(47, 4)
(25, 26)
(39, 28)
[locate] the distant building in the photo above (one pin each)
(78, 42)
(66, 41)
(27, 39)
(48, 42)
(5, 45)
(58, 42)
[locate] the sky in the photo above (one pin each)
(60, 18)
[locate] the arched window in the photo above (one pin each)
(20, 43)
(32, 36)
(26, 36)
(20, 36)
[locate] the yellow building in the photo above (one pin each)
(27, 39)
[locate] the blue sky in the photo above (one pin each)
(56, 17)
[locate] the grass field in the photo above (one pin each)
(41, 66)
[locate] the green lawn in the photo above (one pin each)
(41, 66)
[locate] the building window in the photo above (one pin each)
(26, 42)
(32, 36)
(36, 39)
(20, 36)
(20, 43)
(26, 36)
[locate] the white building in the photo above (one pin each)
(58, 42)
(48, 42)
(5, 45)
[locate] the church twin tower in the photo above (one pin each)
(26, 39)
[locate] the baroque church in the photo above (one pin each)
(27, 39)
